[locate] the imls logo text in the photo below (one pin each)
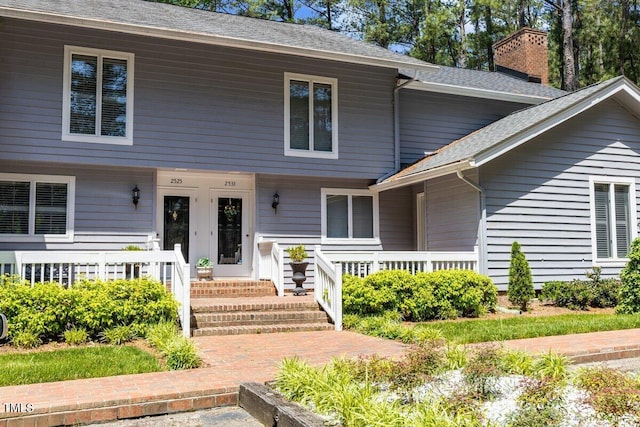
(18, 407)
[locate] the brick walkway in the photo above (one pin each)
(237, 359)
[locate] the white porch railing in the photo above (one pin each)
(328, 287)
(271, 266)
(363, 263)
(64, 267)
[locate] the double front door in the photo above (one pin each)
(218, 229)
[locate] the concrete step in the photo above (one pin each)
(232, 288)
(205, 320)
(261, 329)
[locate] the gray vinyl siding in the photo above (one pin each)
(453, 214)
(105, 217)
(197, 106)
(538, 194)
(397, 219)
(428, 121)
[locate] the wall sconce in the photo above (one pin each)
(275, 202)
(136, 196)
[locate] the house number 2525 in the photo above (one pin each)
(176, 180)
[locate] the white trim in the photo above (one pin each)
(324, 192)
(614, 261)
(288, 151)
(33, 179)
(416, 177)
(551, 122)
(212, 39)
(66, 92)
(421, 222)
(476, 92)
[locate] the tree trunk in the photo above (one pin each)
(570, 75)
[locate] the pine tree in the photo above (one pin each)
(520, 289)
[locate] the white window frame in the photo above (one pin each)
(66, 97)
(288, 151)
(48, 179)
(611, 181)
(324, 192)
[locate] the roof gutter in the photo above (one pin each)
(205, 38)
(478, 93)
(417, 177)
(396, 122)
(482, 229)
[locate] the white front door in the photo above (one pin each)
(230, 233)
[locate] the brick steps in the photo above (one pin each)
(260, 329)
(285, 317)
(240, 307)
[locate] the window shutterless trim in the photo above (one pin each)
(44, 179)
(324, 192)
(611, 181)
(288, 151)
(69, 51)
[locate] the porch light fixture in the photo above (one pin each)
(136, 196)
(275, 202)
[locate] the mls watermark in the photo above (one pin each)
(18, 407)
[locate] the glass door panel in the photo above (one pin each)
(229, 230)
(176, 223)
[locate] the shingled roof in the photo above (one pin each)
(182, 23)
(502, 135)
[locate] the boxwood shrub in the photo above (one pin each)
(47, 310)
(582, 294)
(442, 294)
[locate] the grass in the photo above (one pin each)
(75, 363)
(474, 331)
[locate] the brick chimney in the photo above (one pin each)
(524, 54)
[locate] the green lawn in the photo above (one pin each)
(74, 363)
(473, 331)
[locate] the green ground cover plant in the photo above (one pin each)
(74, 363)
(179, 351)
(489, 390)
(483, 330)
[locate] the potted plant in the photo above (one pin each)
(297, 255)
(204, 270)
(135, 266)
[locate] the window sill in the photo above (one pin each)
(311, 154)
(92, 139)
(613, 262)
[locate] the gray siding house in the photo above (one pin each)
(235, 131)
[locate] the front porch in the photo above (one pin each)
(169, 267)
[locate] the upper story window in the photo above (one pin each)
(36, 206)
(349, 215)
(311, 116)
(98, 96)
(613, 217)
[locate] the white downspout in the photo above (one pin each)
(396, 124)
(482, 235)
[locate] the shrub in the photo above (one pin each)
(182, 353)
(630, 276)
(118, 335)
(75, 336)
(551, 366)
(606, 292)
(580, 294)
(520, 290)
(26, 339)
(610, 391)
(46, 310)
(374, 294)
(483, 370)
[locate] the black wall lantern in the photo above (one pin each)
(276, 201)
(136, 196)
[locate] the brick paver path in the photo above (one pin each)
(243, 358)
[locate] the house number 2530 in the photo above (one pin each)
(229, 183)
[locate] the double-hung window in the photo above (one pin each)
(98, 96)
(613, 217)
(36, 207)
(349, 215)
(311, 116)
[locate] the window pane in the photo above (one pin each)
(83, 94)
(114, 97)
(322, 117)
(14, 207)
(51, 208)
(299, 115)
(337, 216)
(603, 247)
(362, 209)
(623, 229)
